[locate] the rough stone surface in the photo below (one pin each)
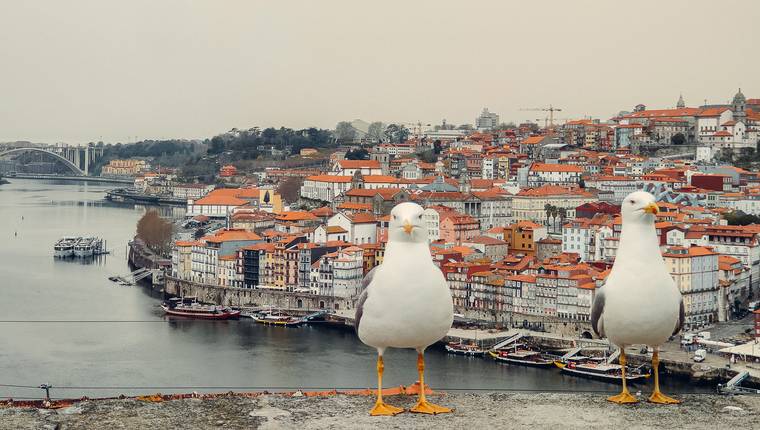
(504, 410)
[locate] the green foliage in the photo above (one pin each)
(357, 154)
(395, 133)
(244, 144)
(428, 156)
(740, 218)
(375, 131)
(344, 131)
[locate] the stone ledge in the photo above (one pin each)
(472, 410)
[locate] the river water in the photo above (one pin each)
(133, 348)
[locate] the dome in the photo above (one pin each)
(739, 98)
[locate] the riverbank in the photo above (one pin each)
(471, 410)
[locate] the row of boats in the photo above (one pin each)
(82, 247)
(190, 307)
(577, 365)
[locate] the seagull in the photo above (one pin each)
(639, 303)
(406, 302)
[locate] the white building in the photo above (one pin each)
(432, 220)
(585, 237)
(325, 187)
(695, 272)
(360, 227)
(349, 167)
(487, 120)
(554, 174)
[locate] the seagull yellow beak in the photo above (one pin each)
(408, 227)
(652, 208)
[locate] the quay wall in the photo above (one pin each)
(246, 297)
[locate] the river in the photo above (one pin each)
(132, 348)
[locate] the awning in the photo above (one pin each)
(749, 349)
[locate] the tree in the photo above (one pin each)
(741, 218)
(678, 139)
(155, 232)
(375, 132)
(465, 127)
(507, 125)
(344, 131)
(428, 156)
(357, 154)
(290, 188)
(396, 133)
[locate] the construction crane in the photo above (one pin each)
(551, 109)
(546, 120)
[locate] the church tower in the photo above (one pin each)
(680, 104)
(739, 105)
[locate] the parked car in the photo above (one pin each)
(700, 355)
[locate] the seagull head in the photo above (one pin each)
(407, 224)
(639, 206)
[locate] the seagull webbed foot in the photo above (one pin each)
(384, 409)
(425, 407)
(623, 398)
(658, 397)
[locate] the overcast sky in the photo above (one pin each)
(80, 71)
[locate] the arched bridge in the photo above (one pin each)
(71, 166)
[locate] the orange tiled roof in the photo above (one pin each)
(329, 178)
(227, 235)
(358, 164)
(548, 167)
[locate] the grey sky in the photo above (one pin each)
(77, 70)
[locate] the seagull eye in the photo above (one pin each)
(631, 201)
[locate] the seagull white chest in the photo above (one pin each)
(408, 305)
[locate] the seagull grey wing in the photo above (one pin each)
(681, 317)
(363, 297)
(597, 309)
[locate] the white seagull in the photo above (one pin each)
(406, 302)
(639, 303)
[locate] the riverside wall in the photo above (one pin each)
(254, 297)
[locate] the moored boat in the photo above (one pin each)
(600, 370)
(84, 247)
(459, 348)
(190, 308)
(64, 247)
(523, 357)
(277, 318)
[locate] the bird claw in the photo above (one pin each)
(384, 409)
(658, 397)
(425, 407)
(623, 398)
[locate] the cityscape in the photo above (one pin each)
(201, 247)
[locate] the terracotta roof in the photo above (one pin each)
(324, 211)
(227, 235)
(533, 140)
(664, 113)
(694, 251)
(332, 229)
(329, 178)
(547, 167)
(358, 164)
(553, 190)
(295, 216)
(362, 218)
(486, 240)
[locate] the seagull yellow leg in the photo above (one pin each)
(657, 396)
(624, 397)
(423, 406)
(381, 408)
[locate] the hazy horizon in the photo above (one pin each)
(80, 70)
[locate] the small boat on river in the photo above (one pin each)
(523, 357)
(190, 308)
(469, 350)
(601, 370)
(277, 318)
